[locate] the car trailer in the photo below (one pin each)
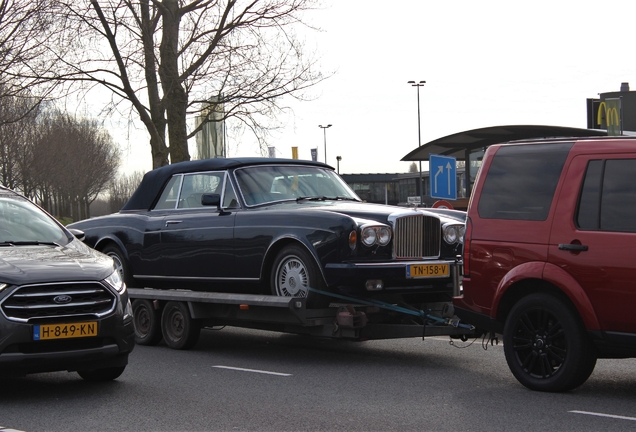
(177, 317)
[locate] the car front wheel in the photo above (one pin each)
(546, 345)
(294, 271)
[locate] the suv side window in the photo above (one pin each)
(608, 196)
(521, 181)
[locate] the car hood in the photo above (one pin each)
(38, 264)
(378, 212)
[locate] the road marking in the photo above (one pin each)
(253, 370)
(3, 429)
(604, 415)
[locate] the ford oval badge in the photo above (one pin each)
(62, 299)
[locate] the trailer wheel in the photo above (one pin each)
(179, 330)
(293, 272)
(546, 346)
(121, 265)
(147, 322)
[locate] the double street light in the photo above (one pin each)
(324, 130)
(419, 133)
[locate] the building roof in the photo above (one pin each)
(370, 177)
(456, 144)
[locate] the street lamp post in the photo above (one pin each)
(419, 133)
(338, 159)
(324, 130)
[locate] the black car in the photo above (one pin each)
(276, 226)
(63, 305)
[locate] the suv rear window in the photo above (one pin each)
(521, 181)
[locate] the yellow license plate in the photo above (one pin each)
(415, 271)
(65, 331)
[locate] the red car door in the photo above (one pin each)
(593, 237)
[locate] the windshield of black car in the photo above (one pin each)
(24, 224)
(270, 183)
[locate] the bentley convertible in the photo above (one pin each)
(277, 226)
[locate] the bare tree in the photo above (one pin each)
(170, 59)
(22, 26)
(73, 162)
(17, 125)
(121, 189)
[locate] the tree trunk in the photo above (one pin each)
(158, 146)
(176, 99)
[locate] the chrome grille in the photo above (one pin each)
(416, 236)
(58, 300)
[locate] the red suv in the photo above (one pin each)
(550, 256)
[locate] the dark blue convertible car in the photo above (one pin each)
(276, 226)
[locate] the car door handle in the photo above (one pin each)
(573, 247)
(172, 222)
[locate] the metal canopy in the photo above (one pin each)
(457, 145)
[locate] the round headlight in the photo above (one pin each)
(462, 233)
(368, 236)
(450, 234)
(384, 236)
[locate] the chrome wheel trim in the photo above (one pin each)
(292, 278)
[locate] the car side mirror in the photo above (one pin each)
(78, 234)
(211, 200)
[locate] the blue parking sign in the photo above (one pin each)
(443, 177)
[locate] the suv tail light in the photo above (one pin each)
(467, 237)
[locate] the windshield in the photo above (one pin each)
(21, 222)
(268, 183)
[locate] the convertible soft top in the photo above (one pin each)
(154, 181)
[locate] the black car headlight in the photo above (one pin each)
(116, 282)
(375, 234)
(454, 234)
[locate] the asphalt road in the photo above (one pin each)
(246, 380)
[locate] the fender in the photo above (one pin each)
(111, 238)
(528, 270)
(303, 241)
(322, 242)
(566, 283)
(557, 277)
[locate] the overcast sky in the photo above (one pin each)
(485, 63)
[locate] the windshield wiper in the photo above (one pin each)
(28, 243)
(325, 198)
(311, 198)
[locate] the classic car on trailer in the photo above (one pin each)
(277, 226)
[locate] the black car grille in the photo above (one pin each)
(58, 300)
(416, 236)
